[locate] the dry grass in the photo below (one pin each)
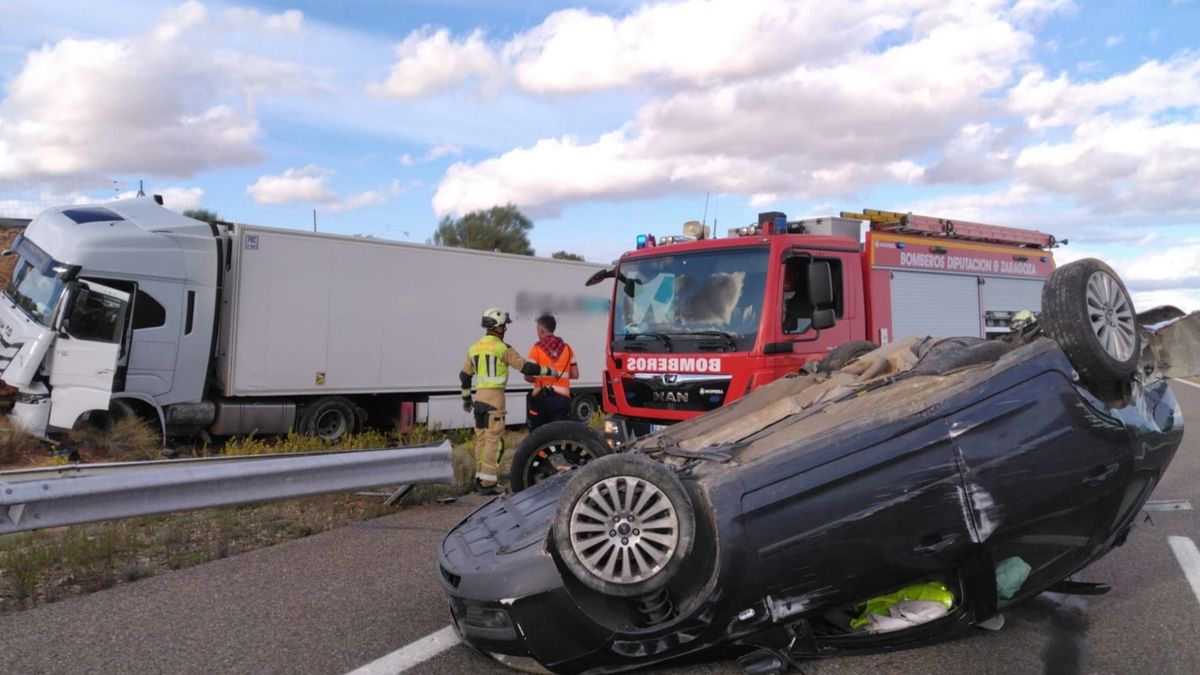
(127, 440)
(19, 448)
(49, 565)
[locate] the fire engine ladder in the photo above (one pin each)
(908, 223)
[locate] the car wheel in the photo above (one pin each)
(330, 419)
(552, 449)
(624, 525)
(845, 353)
(1087, 310)
(582, 408)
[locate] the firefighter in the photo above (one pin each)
(488, 361)
(550, 400)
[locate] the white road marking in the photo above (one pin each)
(1168, 505)
(406, 657)
(1189, 559)
(1188, 383)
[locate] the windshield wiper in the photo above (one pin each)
(663, 337)
(729, 338)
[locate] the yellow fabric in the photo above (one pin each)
(931, 590)
(487, 359)
(489, 449)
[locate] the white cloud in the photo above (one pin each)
(291, 21)
(306, 184)
(171, 102)
(1151, 87)
(443, 150)
(1113, 40)
(435, 153)
(309, 184)
(687, 43)
(821, 128)
(430, 61)
(182, 199)
(1120, 166)
(370, 198)
(978, 153)
(1037, 11)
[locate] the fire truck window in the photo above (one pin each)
(797, 310)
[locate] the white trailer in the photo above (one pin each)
(241, 329)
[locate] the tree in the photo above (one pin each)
(500, 228)
(564, 255)
(203, 214)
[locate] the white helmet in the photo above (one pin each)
(494, 316)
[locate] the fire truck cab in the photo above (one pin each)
(698, 322)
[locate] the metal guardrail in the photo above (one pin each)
(32, 499)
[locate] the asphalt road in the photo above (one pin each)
(341, 599)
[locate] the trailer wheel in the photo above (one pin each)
(583, 407)
(554, 448)
(329, 418)
(845, 353)
(1087, 310)
(624, 525)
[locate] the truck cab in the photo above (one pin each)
(697, 322)
(102, 307)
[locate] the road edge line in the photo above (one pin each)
(1189, 559)
(412, 654)
(1190, 384)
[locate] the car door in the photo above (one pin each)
(85, 352)
(842, 524)
(1044, 474)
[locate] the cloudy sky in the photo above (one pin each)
(606, 119)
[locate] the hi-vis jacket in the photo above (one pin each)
(488, 362)
(562, 384)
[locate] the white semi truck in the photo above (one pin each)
(130, 308)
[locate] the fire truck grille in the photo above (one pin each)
(675, 392)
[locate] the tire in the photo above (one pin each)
(587, 545)
(583, 407)
(552, 449)
(1087, 310)
(845, 353)
(330, 418)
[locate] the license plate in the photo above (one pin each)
(655, 428)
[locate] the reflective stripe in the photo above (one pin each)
(491, 370)
(486, 476)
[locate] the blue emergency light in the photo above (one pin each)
(641, 241)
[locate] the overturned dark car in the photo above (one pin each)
(912, 493)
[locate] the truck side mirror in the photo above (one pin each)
(820, 294)
(823, 318)
(820, 283)
(600, 276)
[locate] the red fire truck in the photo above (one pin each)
(698, 322)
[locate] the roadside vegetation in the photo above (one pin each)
(45, 566)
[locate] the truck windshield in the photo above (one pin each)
(35, 286)
(708, 301)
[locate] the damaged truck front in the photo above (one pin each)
(919, 490)
(70, 332)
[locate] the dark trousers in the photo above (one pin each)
(547, 407)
